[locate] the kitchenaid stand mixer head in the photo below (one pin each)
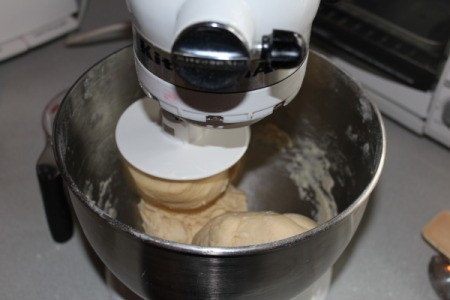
(210, 64)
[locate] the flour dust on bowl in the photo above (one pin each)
(321, 156)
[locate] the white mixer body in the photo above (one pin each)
(158, 25)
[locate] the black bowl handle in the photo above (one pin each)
(56, 204)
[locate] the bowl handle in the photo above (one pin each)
(56, 206)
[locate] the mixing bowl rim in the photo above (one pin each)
(220, 251)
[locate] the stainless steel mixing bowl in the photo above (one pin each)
(330, 112)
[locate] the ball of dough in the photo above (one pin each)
(181, 225)
(251, 228)
(186, 194)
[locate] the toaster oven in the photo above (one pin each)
(399, 52)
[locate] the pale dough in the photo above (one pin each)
(181, 225)
(250, 228)
(188, 194)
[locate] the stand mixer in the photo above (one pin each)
(209, 64)
(212, 68)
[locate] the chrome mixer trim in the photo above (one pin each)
(234, 31)
(158, 61)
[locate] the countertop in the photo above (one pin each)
(387, 259)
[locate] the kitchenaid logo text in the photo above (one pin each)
(152, 58)
(152, 55)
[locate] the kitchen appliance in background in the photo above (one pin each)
(399, 52)
(26, 24)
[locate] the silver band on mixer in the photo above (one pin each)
(260, 73)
